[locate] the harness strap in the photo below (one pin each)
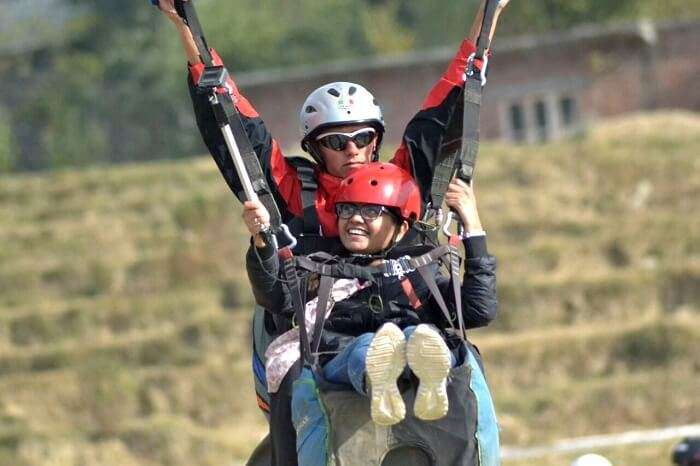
(461, 140)
(483, 42)
(421, 264)
(454, 278)
(307, 178)
(410, 293)
(429, 280)
(292, 279)
(324, 294)
(341, 270)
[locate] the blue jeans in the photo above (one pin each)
(348, 366)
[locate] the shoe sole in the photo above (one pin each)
(429, 359)
(385, 361)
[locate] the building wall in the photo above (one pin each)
(605, 72)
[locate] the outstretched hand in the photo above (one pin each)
(168, 8)
(502, 4)
(460, 198)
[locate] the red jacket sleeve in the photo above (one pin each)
(280, 174)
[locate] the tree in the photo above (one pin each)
(7, 147)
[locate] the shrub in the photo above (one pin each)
(110, 393)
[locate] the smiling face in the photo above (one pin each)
(361, 236)
(340, 163)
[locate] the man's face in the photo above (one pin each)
(339, 161)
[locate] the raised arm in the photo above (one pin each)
(280, 174)
(188, 44)
(420, 147)
(262, 262)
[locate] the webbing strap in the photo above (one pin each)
(460, 146)
(342, 270)
(483, 42)
(290, 276)
(454, 278)
(324, 293)
(189, 15)
(309, 186)
(429, 280)
(226, 114)
(470, 128)
(421, 264)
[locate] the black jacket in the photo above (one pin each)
(353, 317)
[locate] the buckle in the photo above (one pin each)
(398, 267)
(470, 69)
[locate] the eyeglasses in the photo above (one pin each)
(369, 212)
(338, 141)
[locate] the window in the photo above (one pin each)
(568, 111)
(517, 122)
(541, 118)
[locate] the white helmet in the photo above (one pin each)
(591, 459)
(335, 104)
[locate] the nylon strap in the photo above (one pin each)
(324, 293)
(341, 270)
(226, 114)
(460, 146)
(421, 264)
(309, 186)
(484, 40)
(454, 278)
(290, 276)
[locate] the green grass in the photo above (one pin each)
(124, 307)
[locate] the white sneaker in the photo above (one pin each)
(386, 359)
(429, 358)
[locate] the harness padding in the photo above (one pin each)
(334, 427)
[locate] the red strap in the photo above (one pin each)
(285, 253)
(454, 240)
(262, 405)
(410, 293)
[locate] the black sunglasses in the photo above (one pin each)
(339, 141)
(369, 212)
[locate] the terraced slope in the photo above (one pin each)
(124, 308)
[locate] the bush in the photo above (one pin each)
(110, 393)
(654, 345)
(7, 151)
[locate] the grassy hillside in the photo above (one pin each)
(124, 308)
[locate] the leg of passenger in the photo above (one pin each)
(408, 331)
(282, 434)
(385, 361)
(430, 360)
(348, 366)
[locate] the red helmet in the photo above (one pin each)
(383, 184)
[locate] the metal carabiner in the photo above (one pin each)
(288, 234)
(469, 69)
(448, 221)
